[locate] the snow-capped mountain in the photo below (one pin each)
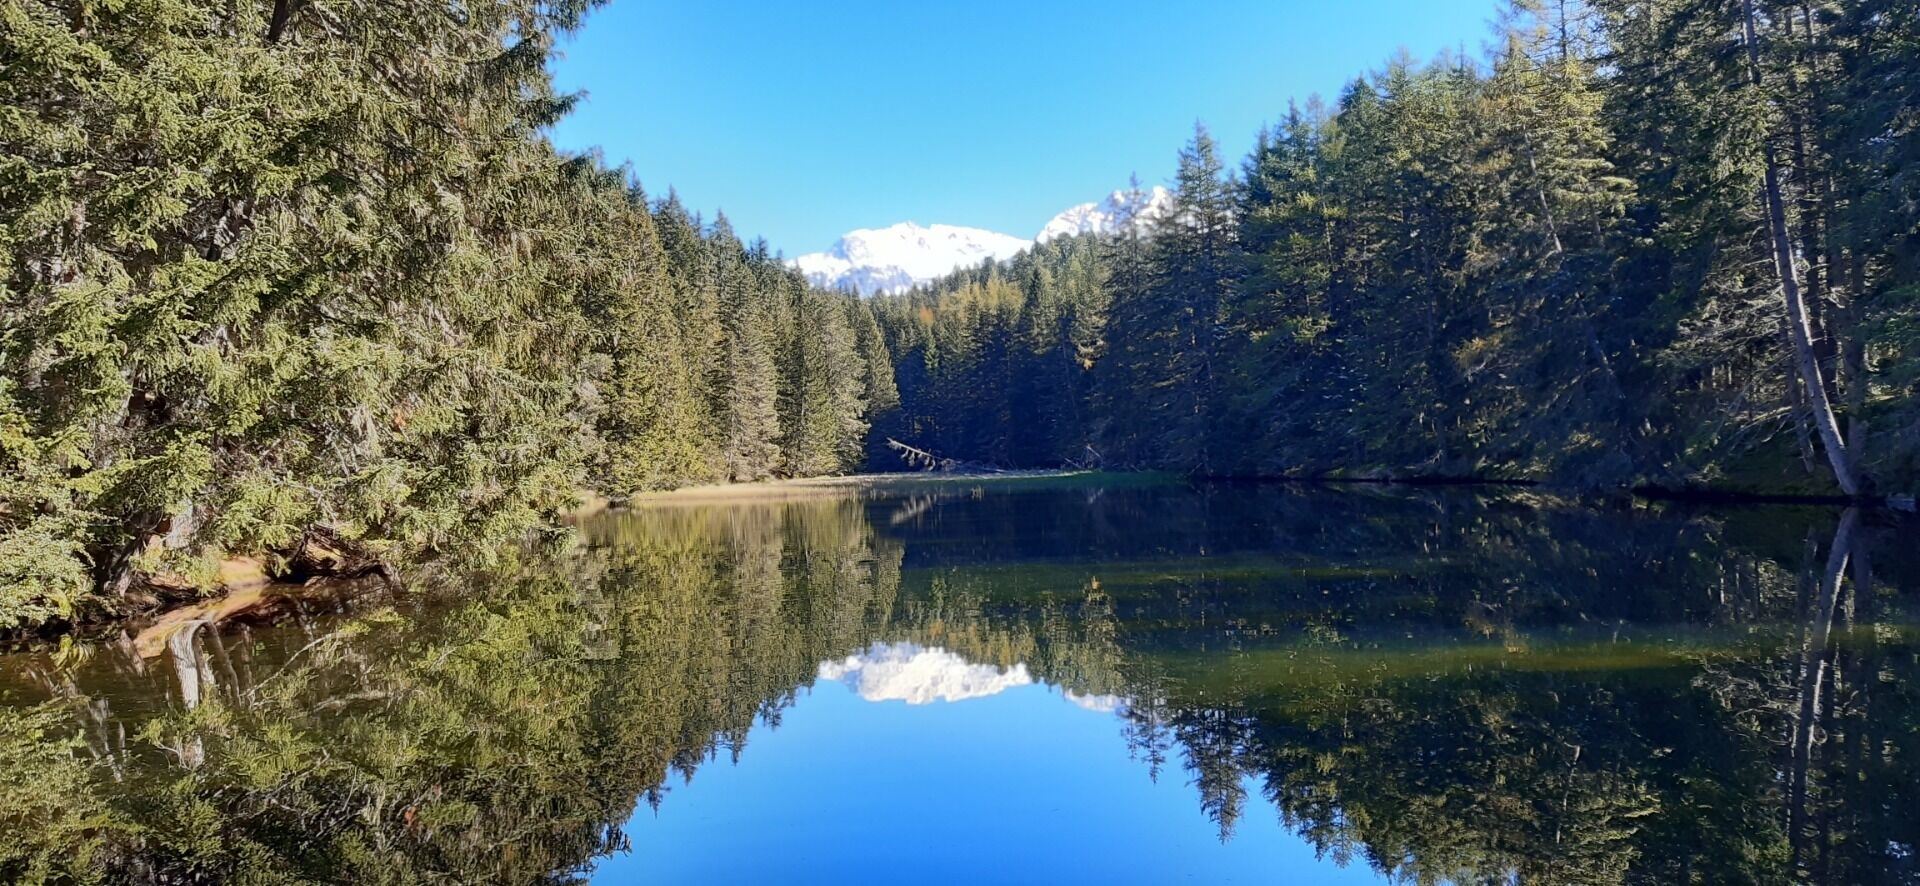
(902, 256)
(1107, 216)
(895, 258)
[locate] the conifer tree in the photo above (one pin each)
(653, 418)
(286, 278)
(826, 412)
(1197, 268)
(695, 303)
(750, 373)
(1572, 261)
(879, 391)
(1124, 392)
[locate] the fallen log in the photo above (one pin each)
(921, 459)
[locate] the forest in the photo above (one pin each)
(1663, 245)
(294, 277)
(306, 283)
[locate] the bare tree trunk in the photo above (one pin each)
(190, 666)
(1798, 326)
(1540, 190)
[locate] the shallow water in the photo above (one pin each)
(1029, 684)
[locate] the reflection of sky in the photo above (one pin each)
(1011, 787)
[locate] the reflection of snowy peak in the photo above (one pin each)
(917, 675)
(894, 259)
(1109, 215)
(900, 257)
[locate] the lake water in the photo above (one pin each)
(1027, 681)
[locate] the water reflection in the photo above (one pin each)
(915, 674)
(1433, 686)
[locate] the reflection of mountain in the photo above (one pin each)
(917, 675)
(1099, 704)
(1442, 686)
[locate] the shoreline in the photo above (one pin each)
(813, 487)
(818, 487)
(1641, 492)
(282, 589)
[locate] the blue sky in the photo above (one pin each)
(806, 120)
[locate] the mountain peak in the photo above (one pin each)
(898, 257)
(906, 254)
(1110, 216)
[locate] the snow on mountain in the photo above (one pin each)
(894, 259)
(900, 257)
(1107, 216)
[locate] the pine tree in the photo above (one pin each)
(750, 375)
(270, 279)
(878, 389)
(826, 388)
(1279, 316)
(651, 417)
(1571, 261)
(1125, 395)
(1197, 269)
(695, 302)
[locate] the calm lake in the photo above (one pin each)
(1104, 680)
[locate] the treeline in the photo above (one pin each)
(1664, 243)
(282, 272)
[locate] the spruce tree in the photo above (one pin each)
(750, 375)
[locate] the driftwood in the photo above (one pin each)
(246, 582)
(922, 460)
(321, 563)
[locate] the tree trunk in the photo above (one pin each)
(1798, 326)
(1540, 191)
(277, 26)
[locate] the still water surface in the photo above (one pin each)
(1061, 681)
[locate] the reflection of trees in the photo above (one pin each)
(1841, 705)
(1475, 772)
(1463, 689)
(494, 738)
(1444, 687)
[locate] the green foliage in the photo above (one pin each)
(56, 826)
(260, 278)
(1548, 264)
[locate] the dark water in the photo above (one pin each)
(1073, 682)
